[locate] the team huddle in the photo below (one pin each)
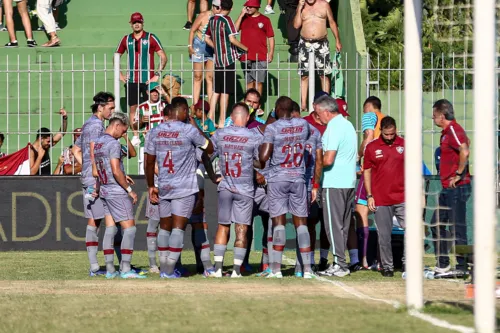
(270, 169)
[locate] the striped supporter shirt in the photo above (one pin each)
(141, 55)
(220, 28)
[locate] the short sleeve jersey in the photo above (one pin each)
(289, 137)
(220, 28)
(107, 148)
(174, 144)
(92, 129)
(237, 148)
(154, 112)
(312, 145)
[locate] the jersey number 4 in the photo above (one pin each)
(237, 165)
(168, 162)
(293, 157)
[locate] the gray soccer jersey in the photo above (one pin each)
(174, 144)
(312, 144)
(289, 137)
(237, 148)
(92, 129)
(107, 148)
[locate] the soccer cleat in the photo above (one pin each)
(209, 273)
(264, 273)
(439, 270)
(330, 271)
(263, 267)
(356, 268)
(187, 26)
(138, 270)
(131, 275)
(387, 273)
(341, 272)
(182, 271)
(310, 275)
(111, 275)
(172, 276)
(235, 275)
(218, 273)
(299, 274)
(268, 10)
(97, 273)
(323, 265)
(275, 276)
(154, 270)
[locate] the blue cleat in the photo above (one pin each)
(176, 275)
(111, 275)
(96, 273)
(138, 270)
(299, 274)
(131, 275)
(264, 273)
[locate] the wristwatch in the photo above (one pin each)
(369, 196)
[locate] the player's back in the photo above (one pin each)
(107, 148)
(173, 143)
(288, 137)
(312, 144)
(92, 129)
(237, 148)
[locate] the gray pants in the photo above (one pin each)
(337, 212)
(383, 220)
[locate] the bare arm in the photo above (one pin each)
(149, 169)
(329, 158)
(367, 173)
(57, 170)
(237, 24)
(271, 49)
(209, 41)
(237, 43)
(92, 160)
(318, 166)
(72, 169)
(367, 138)
(77, 154)
(333, 26)
(265, 151)
(130, 147)
(196, 25)
(163, 59)
(35, 164)
(118, 173)
(123, 78)
(207, 163)
(62, 131)
(463, 157)
(297, 20)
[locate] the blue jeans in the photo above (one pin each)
(451, 213)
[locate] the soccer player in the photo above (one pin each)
(173, 144)
(117, 196)
(237, 148)
(92, 129)
(284, 145)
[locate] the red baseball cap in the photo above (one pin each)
(342, 107)
(202, 105)
(136, 17)
(252, 3)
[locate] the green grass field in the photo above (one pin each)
(51, 292)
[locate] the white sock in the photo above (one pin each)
(353, 254)
(313, 262)
(323, 253)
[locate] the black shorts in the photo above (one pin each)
(136, 93)
(224, 79)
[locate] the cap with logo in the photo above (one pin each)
(153, 86)
(136, 17)
(202, 105)
(342, 107)
(252, 3)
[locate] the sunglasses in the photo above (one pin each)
(137, 22)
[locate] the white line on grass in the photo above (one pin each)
(414, 313)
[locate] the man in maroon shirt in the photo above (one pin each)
(384, 171)
(455, 179)
(256, 30)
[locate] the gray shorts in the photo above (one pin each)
(254, 71)
(120, 208)
(93, 209)
(153, 211)
(182, 207)
(235, 208)
(261, 203)
(287, 197)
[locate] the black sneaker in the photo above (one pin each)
(387, 273)
(187, 26)
(31, 43)
(12, 44)
(323, 265)
(356, 267)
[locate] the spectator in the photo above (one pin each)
(384, 171)
(201, 53)
(221, 32)
(190, 12)
(59, 167)
(22, 7)
(201, 110)
(455, 179)
(269, 8)
(44, 11)
(39, 153)
(312, 17)
(55, 13)
(2, 27)
(71, 166)
(339, 178)
(292, 33)
(139, 76)
(2, 138)
(252, 99)
(256, 31)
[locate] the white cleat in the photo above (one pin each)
(275, 276)
(269, 10)
(154, 270)
(234, 275)
(217, 274)
(310, 275)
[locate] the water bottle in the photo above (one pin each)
(89, 192)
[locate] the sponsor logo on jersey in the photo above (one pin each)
(168, 135)
(232, 138)
(292, 130)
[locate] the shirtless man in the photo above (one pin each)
(312, 17)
